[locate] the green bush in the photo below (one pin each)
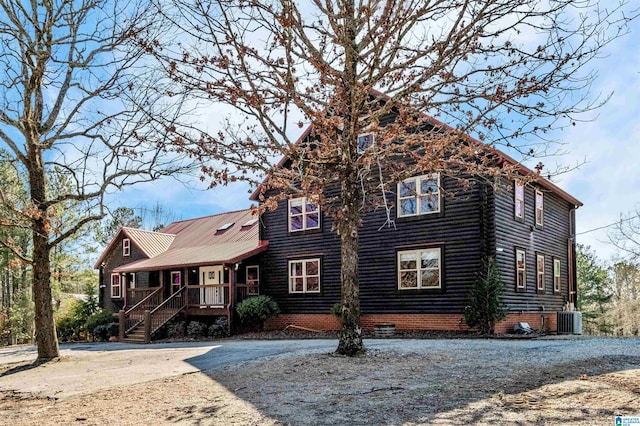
(176, 329)
(486, 308)
(254, 311)
(336, 309)
(196, 329)
(99, 318)
(103, 332)
(70, 321)
(220, 328)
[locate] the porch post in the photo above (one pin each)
(233, 279)
(147, 326)
(121, 321)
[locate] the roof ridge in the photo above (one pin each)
(149, 232)
(208, 216)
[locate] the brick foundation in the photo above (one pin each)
(411, 322)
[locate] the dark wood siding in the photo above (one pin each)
(112, 261)
(459, 231)
(551, 240)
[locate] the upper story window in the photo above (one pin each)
(365, 141)
(419, 269)
(116, 288)
(556, 275)
(521, 269)
(539, 208)
(540, 272)
(303, 215)
(519, 200)
(126, 247)
(304, 276)
(419, 195)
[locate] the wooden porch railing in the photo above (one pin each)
(135, 315)
(208, 296)
(165, 311)
(136, 295)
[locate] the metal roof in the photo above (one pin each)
(194, 242)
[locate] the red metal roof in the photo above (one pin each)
(437, 123)
(195, 242)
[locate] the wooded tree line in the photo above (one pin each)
(608, 294)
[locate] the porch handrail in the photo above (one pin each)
(134, 316)
(145, 300)
(165, 311)
(135, 295)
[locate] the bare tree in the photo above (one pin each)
(76, 102)
(508, 72)
(625, 235)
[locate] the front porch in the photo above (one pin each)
(146, 310)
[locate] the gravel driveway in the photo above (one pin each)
(577, 380)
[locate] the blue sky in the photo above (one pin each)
(607, 147)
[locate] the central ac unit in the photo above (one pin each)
(570, 322)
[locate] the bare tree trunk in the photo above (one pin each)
(350, 343)
(46, 338)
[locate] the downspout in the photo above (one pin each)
(571, 257)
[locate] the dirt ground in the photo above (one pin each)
(383, 387)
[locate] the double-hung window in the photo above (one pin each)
(419, 269)
(126, 247)
(556, 275)
(176, 281)
(519, 200)
(116, 288)
(540, 272)
(304, 276)
(419, 195)
(521, 269)
(253, 279)
(539, 208)
(303, 215)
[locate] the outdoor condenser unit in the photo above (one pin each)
(570, 322)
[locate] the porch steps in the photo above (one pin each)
(136, 335)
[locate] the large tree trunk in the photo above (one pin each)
(46, 338)
(350, 343)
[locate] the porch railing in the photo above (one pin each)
(208, 296)
(135, 315)
(244, 291)
(136, 295)
(165, 311)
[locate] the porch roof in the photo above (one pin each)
(230, 252)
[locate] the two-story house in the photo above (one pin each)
(417, 274)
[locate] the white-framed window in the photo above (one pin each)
(419, 269)
(521, 269)
(365, 140)
(556, 275)
(176, 281)
(419, 195)
(540, 272)
(539, 208)
(519, 200)
(116, 286)
(126, 247)
(253, 279)
(303, 215)
(304, 276)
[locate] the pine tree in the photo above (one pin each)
(486, 308)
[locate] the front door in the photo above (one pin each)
(211, 275)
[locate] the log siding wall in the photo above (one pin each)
(112, 261)
(458, 231)
(552, 241)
